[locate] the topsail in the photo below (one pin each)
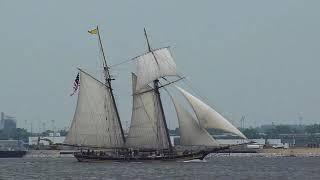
(154, 65)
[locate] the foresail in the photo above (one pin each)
(95, 122)
(208, 117)
(146, 129)
(191, 134)
(153, 65)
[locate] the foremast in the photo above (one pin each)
(157, 92)
(108, 80)
(96, 121)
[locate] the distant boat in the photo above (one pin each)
(97, 131)
(12, 154)
(11, 149)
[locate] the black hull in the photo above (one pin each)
(93, 158)
(200, 155)
(12, 154)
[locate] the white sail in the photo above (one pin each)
(95, 122)
(208, 117)
(153, 65)
(146, 129)
(190, 131)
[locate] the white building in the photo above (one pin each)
(45, 140)
(257, 141)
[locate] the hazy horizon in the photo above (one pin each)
(258, 59)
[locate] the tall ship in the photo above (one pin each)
(96, 129)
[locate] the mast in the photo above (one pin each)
(108, 82)
(157, 92)
(146, 35)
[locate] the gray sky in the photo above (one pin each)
(254, 58)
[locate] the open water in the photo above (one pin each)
(214, 168)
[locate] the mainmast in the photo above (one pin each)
(108, 80)
(157, 92)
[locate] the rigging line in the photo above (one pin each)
(94, 78)
(73, 124)
(169, 82)
(89, 146)
(120, 63)
(106, 119)
(160, 125)
(170, 65)
(179, 74)
(170, 95)
(92, 115)
(188, 83)
(145, 109)
(196, 92)
(155, 105)
(108, 81)
(166, 62)
(135, 58)
(147, 113)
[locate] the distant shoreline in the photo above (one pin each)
(299, 151)
(269, 152)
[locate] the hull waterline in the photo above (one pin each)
(200, 155)
(92, 158)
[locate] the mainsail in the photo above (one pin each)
(191, 134)
(208, 117)
(95, 122)
(147, 129)
(153, 65)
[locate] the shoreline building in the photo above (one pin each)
(7, 123)
(53, 138)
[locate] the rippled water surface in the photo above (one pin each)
(214, 168)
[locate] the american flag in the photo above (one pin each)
(76, 84)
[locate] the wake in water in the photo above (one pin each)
(195, 161)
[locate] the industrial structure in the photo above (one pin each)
(7, 123)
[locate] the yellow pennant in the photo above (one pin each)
(93, 31)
